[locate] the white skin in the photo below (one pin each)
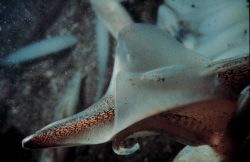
(95, 123)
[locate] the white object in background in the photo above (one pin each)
(102, 44)
(39, 49)
(202, 153)
(113, 15)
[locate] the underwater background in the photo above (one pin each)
(31, 91)
(36, 92)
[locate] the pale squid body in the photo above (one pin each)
(149, 78)
(155, 80)
(148, 70)
(217, 29)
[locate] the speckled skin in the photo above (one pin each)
(195, 124)
(204, 122)
(57, 133)
(234, 74)
(199, 123)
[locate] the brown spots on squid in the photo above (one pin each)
(207, 122)
(54, 135)
(234, 62)
(160, 79)
(235, 74)
(107, 102)
(201, 132)
(186, 122)
(199, 123)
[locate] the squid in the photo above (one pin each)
(156, 88)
